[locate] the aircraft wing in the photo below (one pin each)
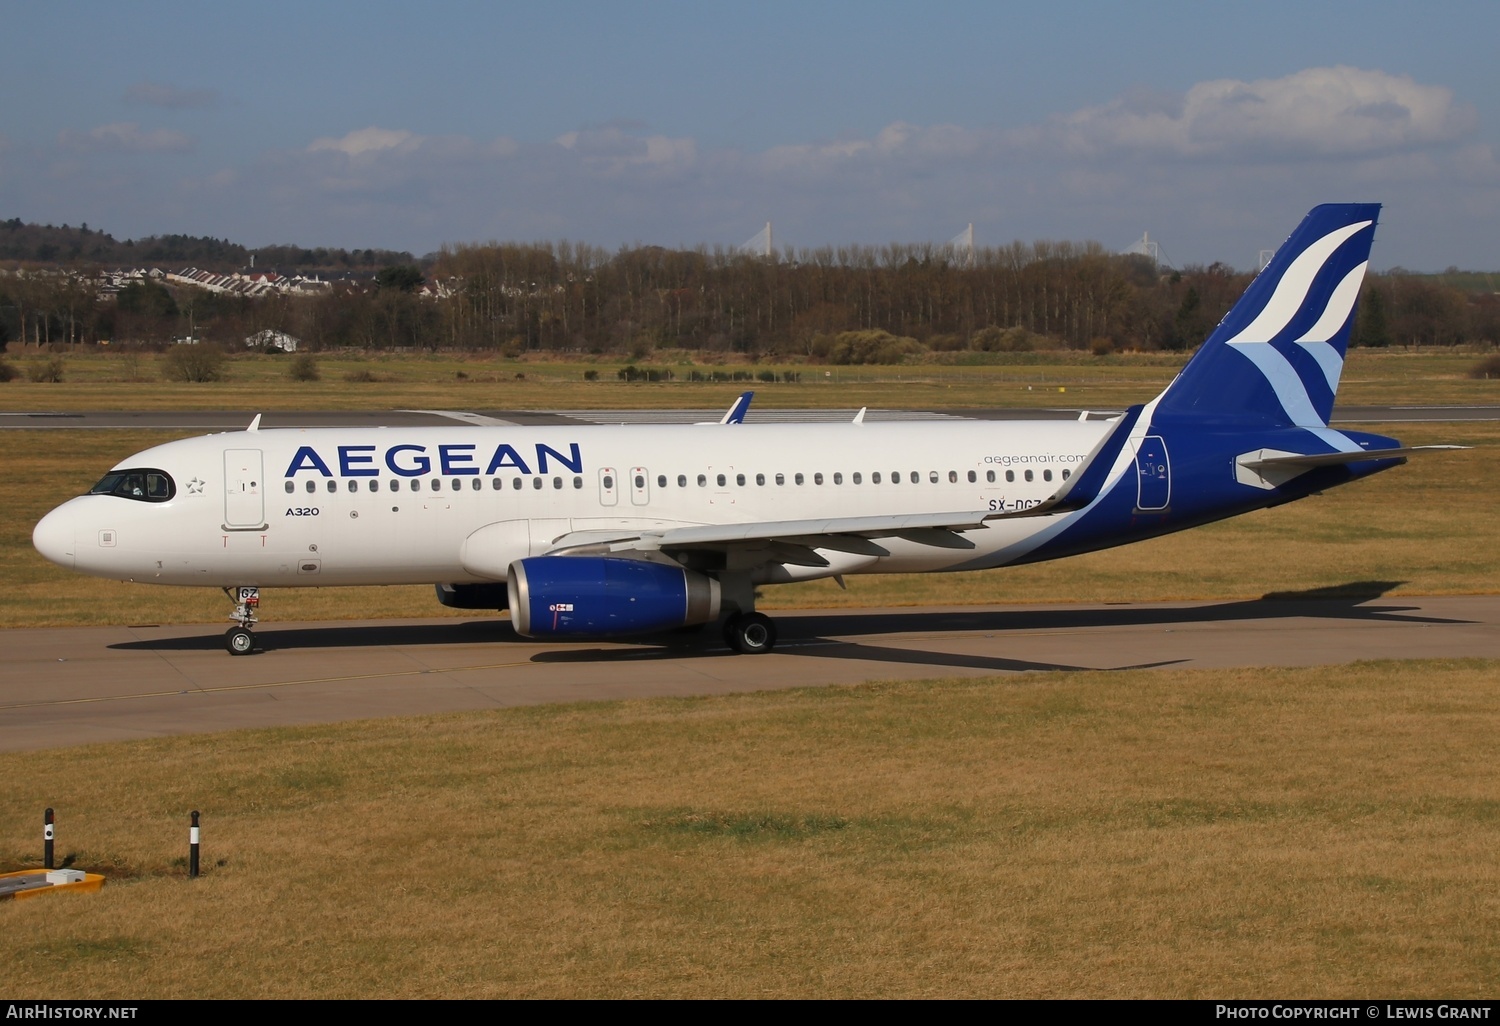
(797, 537)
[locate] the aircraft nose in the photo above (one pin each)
(55, 537)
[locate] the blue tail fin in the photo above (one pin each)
(1276, 357)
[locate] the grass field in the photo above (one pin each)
(119, 381)
(1323, 832)
(1326, 832)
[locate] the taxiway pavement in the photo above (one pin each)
(71, 686)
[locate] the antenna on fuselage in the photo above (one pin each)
(254, 424)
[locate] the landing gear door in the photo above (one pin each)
(244, 489)
(1154, 472)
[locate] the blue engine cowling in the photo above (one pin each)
(598, 596)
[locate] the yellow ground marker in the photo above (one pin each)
(30, 883)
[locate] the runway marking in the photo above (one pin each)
(263, 684)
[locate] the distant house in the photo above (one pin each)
(269, 339)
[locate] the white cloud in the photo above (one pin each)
(1216, 172)
(126, 137)
(1338, 111)
(367, 140)
(168, 97)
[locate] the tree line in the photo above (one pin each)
(851, 304)
(65, 245)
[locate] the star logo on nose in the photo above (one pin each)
(195, 486)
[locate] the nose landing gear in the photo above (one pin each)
(238, 640)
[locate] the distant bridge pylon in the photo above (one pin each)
(1148, 247)
(1145, 246)
(962, 246)
(760, 243)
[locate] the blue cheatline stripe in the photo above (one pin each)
(1339, 441)
(1284, 381)
(1329, 360)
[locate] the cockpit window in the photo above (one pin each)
(143, 485)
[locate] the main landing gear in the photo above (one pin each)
(750, 633)
(238, 639)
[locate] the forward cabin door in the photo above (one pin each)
(244, 490)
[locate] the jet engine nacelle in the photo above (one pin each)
(570, 596)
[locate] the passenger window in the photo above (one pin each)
(838, 478)
(1028, 475)
(455, 483)
(817, 479)
(896, 477)
(973, 477)
(1046, 475)
(781, 479)
(681, 480)
(478, 484)
(578, 482)
(760, 479)
(496, 483)
(932, 476)
(437, 484)
(416, 485)
(515, 484)
(640, 480)
(915, 477)
(312, 486)
(702, 480)
(661, 480)
(1010, 475)
(536, 484)
(609, 482)
(855, 477)
(953, 477)
(291, 487)
(353, 485)
(721, 480)
(798, 479)
(989, 475)
(739, 479)
(1067, 474)
(875, 477)
(395, 485)
(557, 483)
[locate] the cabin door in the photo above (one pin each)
(1154, 473)
(244, 489)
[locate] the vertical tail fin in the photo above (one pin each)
(1277, 355)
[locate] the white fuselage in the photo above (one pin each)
(420, 505)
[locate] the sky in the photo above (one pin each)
(1214, 127)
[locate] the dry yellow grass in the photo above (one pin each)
(1310, 833)
(117, 381)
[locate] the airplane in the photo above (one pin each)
(593, 531)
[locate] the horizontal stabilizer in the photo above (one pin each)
(1334, 459)
(1272, 468)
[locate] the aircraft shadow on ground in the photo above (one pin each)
(826, 635)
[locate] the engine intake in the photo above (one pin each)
(600, 596)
